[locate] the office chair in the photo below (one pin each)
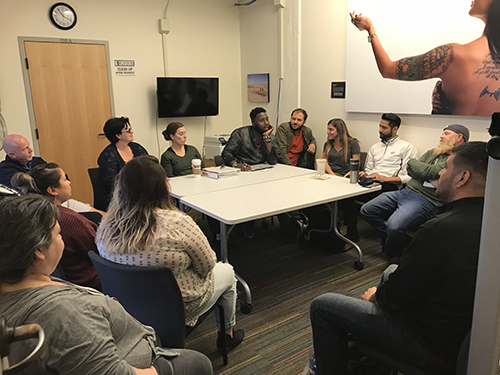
(399, 366)
(93, 174)
(58, 272)
(152, 296)
(218, 160)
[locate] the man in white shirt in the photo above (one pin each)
(387, 160)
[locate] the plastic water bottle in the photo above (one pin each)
(312, 363)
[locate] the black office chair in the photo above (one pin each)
(93, 174)
(58, 272)
(93, 216)
(152, 296)
(218, 160)
(400, 366)
(362, 160)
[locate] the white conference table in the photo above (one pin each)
(240, 201)
(191, 185)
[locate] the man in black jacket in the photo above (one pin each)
(251, 144)
(19, 158)
(422, 309)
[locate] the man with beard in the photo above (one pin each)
(296, 142)
(422, 309)
(252, 144)
(386, 161)
(395, 212)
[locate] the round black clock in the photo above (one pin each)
(62, 16)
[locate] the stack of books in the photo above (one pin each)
(218, 172)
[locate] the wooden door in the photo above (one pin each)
(71, 101)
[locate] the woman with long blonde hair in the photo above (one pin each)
(339, 148)
(144, 228)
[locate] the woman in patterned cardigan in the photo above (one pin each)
(144, 228)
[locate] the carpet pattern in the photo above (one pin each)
(284, 277)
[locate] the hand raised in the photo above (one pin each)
(361, 22)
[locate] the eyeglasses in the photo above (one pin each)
(128, 130)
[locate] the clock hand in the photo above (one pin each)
(62, 14)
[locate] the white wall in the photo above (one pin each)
(203, 41)
(259, 31)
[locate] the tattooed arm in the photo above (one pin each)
(416, 68)
(429, 65)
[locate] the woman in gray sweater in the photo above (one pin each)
(86, 332)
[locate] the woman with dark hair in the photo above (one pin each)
(339, 149)
(112, 159)
(468, 73)
(176, 160)
(86, 332)
(144, 228)
(77, 231)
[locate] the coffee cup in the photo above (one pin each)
(196, 165)
(320, 166)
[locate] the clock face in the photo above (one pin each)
(63, 16)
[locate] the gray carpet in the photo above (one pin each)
(284, 278)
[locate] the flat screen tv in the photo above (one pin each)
(187, 97)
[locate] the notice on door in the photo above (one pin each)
(124, 67)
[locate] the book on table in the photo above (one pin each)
(218, 172)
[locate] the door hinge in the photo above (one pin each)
(36, 132)
(27, 65)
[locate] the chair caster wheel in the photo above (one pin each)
(246, 308)
(358, 265)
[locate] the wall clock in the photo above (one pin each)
(62, 16)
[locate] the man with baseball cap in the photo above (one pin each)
(394, 213)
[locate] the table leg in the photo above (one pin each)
(333, 208)
(224, 234)
(223, 242)
(359, 263)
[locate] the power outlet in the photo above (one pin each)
(164, 26)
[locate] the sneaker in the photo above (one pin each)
(231, 342)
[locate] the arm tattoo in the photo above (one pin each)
(429, 65)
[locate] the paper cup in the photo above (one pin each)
(196, 165)
(320, 166)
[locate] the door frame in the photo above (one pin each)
(26, 78)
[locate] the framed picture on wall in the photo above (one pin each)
(258, 88)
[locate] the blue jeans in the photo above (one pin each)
(335, 316)
(395, 212)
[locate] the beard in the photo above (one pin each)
(444, 147)
(384, 137)
(295, 130)
(259, 130)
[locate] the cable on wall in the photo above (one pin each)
(3, 128)
(278, 105)
(164, 29)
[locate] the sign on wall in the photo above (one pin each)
(124, 67)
